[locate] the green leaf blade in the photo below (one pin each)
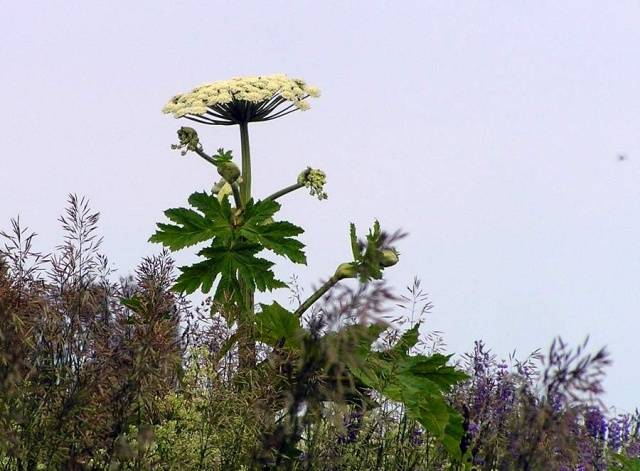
(275, 236)
(420, 382)
(229, 264)
(276, 325)
(191, 227)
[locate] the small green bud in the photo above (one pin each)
(187, 141)
(389, 257)
(346, 270)
(229, 171)
(188, 137)
(314, 179)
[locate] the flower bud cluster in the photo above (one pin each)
(314, 179)
(188, 141)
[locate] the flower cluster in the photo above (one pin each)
(619, 432)
(352, 424)
(522, 415)
(242, 100)
(315, 180)
(596, 423)
(417, 436)
(188, 140)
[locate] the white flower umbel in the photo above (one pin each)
(242, 100)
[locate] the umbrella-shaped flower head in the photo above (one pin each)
(242, 100)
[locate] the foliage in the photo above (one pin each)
(235, 240)
(625, 463)
(123, 401)
(77, 366)
(419, 382)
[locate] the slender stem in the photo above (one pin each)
(206, 157)
(284, 110)
(284, 191)
(245, 186)
(317, 295)
(236, 194)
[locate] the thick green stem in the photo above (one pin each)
(246, 331)
(247, 346)
(318, 294)
(284, 191)
(245, 186)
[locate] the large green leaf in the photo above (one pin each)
(191, 227)
(212, 208)
(419, 382)
(275, 236)
(236, 237)
(231, 264)
(276, 326)
(408, 340)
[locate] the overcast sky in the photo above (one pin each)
(490, 131)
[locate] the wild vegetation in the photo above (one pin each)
(99, 373)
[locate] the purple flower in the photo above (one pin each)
(557, 401)
(352, 427)
(596, 423)
(625, 425)
(614, 439)
(633, 449)
(481, 359)
(416, 437)
(505, 395)
(482, 394)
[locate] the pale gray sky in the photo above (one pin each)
(487, 130)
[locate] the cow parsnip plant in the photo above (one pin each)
(238, 227)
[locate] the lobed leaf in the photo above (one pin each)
(236, 238)
(419, 382)
(276, 325)
(190, 227)
(230, 264)
(274, 236)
